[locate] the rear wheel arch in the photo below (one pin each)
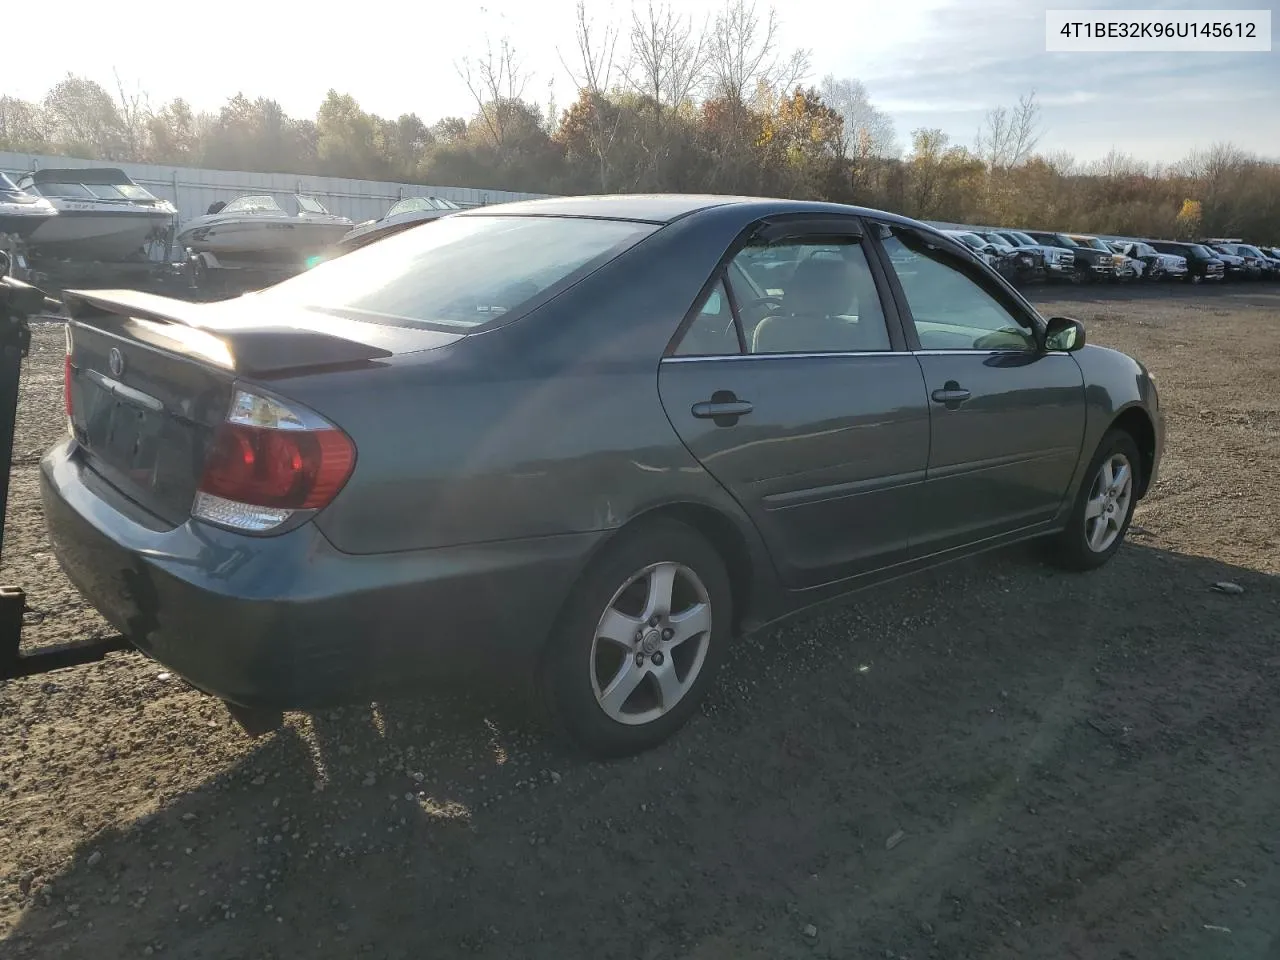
(724, 536)
(1136, 422)
(713, 525)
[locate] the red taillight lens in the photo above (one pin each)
(269, 459)
(293, 469)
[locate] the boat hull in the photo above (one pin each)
(21, 220)
(283, 239)
(91, 234)
(367, 233)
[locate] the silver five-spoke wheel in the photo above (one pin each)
(1109, 500)
(651, 643)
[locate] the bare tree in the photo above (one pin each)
(80, 112)
(553, 113)
(667, 68)
(1008, 135)
(668, 60)
(593, 65)
(592, 71)
(1116, 166)
(22, 125)
(868, 131)
(1214, 162)
(743, 59)
(135, 112)
(497, 84)
(1062, 162)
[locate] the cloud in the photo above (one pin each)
(964, 57)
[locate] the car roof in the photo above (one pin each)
(667, 207)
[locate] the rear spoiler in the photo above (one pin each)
(249, 349)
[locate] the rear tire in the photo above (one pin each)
(1104, 505)
(639, 640)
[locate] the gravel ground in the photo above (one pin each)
(993, 760)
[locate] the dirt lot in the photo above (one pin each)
(995, 760)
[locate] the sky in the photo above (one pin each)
(928, 63)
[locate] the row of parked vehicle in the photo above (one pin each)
(1030, 256)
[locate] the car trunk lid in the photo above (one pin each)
(149, 378)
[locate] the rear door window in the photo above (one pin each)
(817, 297)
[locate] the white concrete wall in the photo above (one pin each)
(192, 189)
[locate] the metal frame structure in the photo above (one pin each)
(18, 302)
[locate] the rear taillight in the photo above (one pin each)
(270, 459)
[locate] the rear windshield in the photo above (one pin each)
(460, 271)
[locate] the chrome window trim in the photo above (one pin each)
(1012, 351)
(787, 356)
(861, 353)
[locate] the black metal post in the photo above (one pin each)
(17, 302)
(15, 339)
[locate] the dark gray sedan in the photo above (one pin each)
(587, 441)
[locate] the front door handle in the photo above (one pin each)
(724, 408)
(952, 394)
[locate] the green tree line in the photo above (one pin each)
(664, 103)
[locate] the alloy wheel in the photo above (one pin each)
(650, 643)
(1110, 498)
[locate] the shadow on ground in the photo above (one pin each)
(997, 760)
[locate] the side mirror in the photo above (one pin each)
(1064, 333)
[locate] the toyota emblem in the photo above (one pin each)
(115, 359)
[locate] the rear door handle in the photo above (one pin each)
(723, 409)
(713, 409)
(951, 393)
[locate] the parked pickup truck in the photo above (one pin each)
(1273, 258)
(1118, 260)
(984, 249)
(1059, 262)
(1127, 267)
(1090, 262)
(1238, 266)
(1025, 264)
(1158, 266)
(1257, 265)
(1202, 263)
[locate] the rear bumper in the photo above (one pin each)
(290, 622)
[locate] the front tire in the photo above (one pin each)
(639, 640)
(1104, 505)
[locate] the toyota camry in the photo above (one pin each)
(585, 441)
